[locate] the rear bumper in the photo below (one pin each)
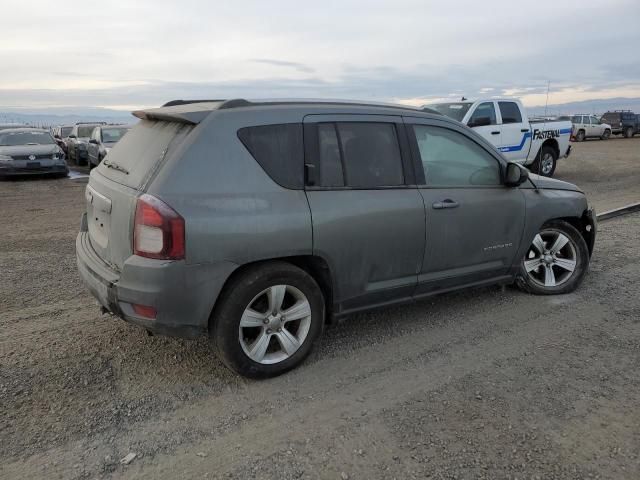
(183, 295)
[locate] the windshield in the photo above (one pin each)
(112, 135)
(457, 110)
(85, 132)
(25, 138)
(65, 131)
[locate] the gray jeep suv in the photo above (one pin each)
(258, 222)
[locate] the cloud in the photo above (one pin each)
(407, 51)
(282, 63)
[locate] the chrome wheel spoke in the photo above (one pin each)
(560, 242)
(539, 244)
(251, 318)
(288, 341)
(300, 310)
(530, 265)
(276, 296)
(565, 263)
(549, 276)
(259, 348)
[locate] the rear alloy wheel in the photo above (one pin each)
(268, 320)
(556, 261)
(580, 136)
(606, 135)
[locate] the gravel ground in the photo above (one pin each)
(477, 384)
(607, 170)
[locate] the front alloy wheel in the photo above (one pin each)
(551, 259)
(556, 261)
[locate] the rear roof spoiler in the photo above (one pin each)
(192, 113)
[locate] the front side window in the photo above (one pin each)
(575, 119)
(510, 112)
(279, 151)
(449, 158)
(485, 114)
(595, 121)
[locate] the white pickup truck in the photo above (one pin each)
(537, 144)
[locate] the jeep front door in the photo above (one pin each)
(474, 223)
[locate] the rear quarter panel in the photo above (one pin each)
(233, 210)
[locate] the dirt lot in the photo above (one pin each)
(608, 171)
(479, 384)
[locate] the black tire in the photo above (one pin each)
(224, 324)
(538, 165)
(528, 284)
(581, 136)
(606, 135)
(628, 132)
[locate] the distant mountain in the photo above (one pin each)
(598, 106)
(69, 115)
(63, 116)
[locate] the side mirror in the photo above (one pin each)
(516, 174)
(72, 136)
(479, 122)
(94, 141)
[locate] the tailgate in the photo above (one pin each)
(110, 210)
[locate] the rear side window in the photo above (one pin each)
(279, 151)
(330, 160)
(510, 112)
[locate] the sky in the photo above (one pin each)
(127, 54)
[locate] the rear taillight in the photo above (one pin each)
(158, 230)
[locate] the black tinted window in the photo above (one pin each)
(485, 114)
(510, 112)
(451, 159)
(371, 154)
(330, 164)
(278, 149)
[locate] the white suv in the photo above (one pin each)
(589, 126)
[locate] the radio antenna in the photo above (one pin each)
(547, 102)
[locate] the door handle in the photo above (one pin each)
(523, 130)
(446, 203)
(495, 133)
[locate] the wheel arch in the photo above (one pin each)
(585, 225)
(314, 265)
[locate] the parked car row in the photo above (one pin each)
(30, 151)
(618, 122)
(87, 143)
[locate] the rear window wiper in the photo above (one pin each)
(115, 166)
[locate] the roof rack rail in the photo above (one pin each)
(173, 103)
(234, 103)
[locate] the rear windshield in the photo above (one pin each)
(84, 132)
(25, 138)
(457, 110)
(134, 158)
(112, 135)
